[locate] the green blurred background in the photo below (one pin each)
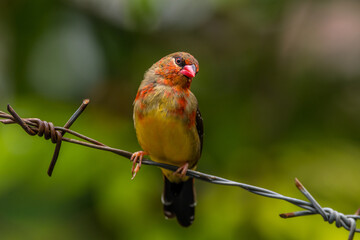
(278, 88)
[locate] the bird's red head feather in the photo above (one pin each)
(177, 69)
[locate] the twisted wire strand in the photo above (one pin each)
(35, 126)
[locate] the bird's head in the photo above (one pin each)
(176, 69)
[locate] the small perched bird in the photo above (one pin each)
(169, 129)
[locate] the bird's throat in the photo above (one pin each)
(179, 82)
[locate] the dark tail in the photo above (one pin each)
(179, 200)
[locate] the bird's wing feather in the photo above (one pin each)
(200, 128)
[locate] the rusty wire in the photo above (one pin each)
(35, 126)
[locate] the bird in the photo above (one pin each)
(169, 129)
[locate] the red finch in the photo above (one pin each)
(169, 129)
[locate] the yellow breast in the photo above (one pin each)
(167, 139)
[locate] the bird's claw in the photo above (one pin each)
(182, 170)
(136, 158)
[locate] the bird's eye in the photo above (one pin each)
(179, 61)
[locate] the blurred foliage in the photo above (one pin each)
(278, 88)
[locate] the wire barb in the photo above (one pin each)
(35, 126)
(60, 134)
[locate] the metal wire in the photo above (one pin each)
(35, 126)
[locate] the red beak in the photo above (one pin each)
(189, 71)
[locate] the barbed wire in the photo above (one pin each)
(35, 126)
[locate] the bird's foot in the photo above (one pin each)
(136, 158)
(181, 171)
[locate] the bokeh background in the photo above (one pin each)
(278, 88)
